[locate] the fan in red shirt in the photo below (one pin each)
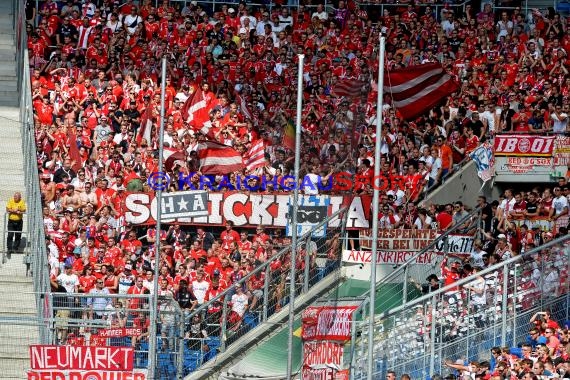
(256, 285)
(131, 244)
(443, 218)
(229, 236)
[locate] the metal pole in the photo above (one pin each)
(154, 290)
(504, 305)
(307, 267)
(295, 201)
(432, 337)
(266, 292)
(405, 289)
(375, 201)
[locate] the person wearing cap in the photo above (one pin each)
(15, 208)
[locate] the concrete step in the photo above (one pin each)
(11, 101)
(9, 85)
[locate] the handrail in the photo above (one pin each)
(463, 281)
(430, 247)
(265, 265)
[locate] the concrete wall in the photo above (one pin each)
(464, 186)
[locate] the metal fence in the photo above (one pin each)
(99, 319)
(235, 309)
(36, 237)
(466, 319)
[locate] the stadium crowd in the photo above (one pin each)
(95, 70)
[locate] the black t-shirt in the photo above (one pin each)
(185, 298)
(531, 207)
(131, 114)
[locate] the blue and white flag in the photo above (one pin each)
(485, 161)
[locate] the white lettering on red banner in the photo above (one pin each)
(119, 333)
(323, 353)
(82, 358)
(327, 322)
(249, 210)
(524, 145)
(85, 375)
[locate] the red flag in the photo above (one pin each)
(145, 127)
(243, 107)
(173, 157)
(216, 158)
(255, 157)
(195, 109)
(289, 135)
(416, 89)
(74, 152)
(349, 87)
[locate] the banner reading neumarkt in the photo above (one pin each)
(49, 362)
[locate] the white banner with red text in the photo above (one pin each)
(250, 210)
(327, 322)
(524, 145)
(531, 158)
(415, 240)
(50, 362)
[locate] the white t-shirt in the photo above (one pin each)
(69, 282)
(559, 126)
(200, 288)
(479, 285)
(477, 257)
(321, 15)
(310, 185)
(507, 206)
(239, 303)
(558, 204)
(435, 166)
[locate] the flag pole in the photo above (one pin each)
(375, 207)
(152, 344)
(294, 217)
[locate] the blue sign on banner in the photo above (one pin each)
(311, 211)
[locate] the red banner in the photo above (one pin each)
(119, 333)
(327, 322)
(524, 145)
(322, 353)
(81, 358)
(85, 375)
(250, 210)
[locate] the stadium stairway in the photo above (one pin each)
(463, 185)
(8, 80)
(266, 330)
(17, 302)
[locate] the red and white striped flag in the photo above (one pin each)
(145, 129)
(255, 157)
(243, 107)
(195, 109)
(416, 89)
(349, 87)
(216, 158)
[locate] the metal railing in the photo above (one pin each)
(98, 319)
(394, 8)
(36, 246)
(396, 287)
(212, 6)
(266, 288)
(465, 319)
